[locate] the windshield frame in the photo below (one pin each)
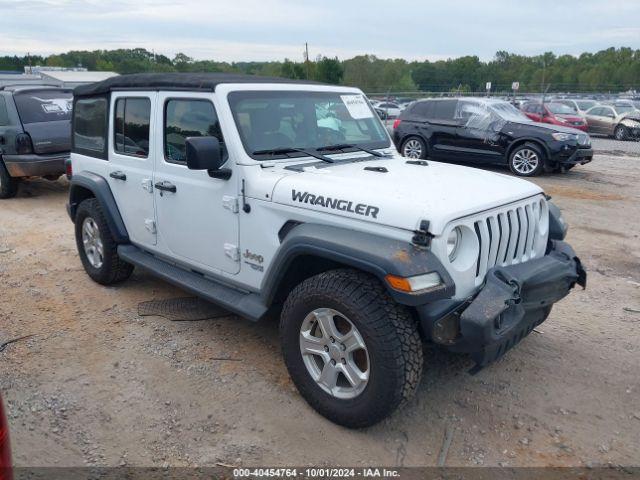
(235, 95)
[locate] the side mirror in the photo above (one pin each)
(205, 153)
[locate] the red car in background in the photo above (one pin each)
(5, 451)
(554, 113)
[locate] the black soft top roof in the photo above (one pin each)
(175, 81)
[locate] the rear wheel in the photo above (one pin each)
(526, 160)
(620, 133)
(353, 353)
(8, 184)
(414, 147)
(97, 248)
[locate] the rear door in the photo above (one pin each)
(443, 128)
(597, 120)
(131, 153)
(46, 116)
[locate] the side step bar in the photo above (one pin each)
(248, 305)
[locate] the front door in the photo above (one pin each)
(479, 132)
(129, 170)
(196, 216)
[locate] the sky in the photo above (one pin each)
(262, 30)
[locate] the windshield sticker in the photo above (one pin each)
(357, 106)
(55, 105)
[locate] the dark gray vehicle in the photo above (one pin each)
(35, 134)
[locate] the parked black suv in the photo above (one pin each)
(35, 134)
(487, 131)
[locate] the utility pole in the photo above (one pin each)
(306, 57)
(29, 61)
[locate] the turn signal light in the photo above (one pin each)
(414, 284)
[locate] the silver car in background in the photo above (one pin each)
(620, 121)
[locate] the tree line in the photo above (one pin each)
(610, 70)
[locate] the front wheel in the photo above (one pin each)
(97, 248)
(8, 184)
(414, 147)
(620, 133)
(353, 353)
(526, 160)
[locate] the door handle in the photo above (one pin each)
(166, 187)
(118, 175)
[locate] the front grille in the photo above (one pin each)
(508, 236)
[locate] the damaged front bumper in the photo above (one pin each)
(513, 301)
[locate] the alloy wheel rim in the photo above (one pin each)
(334, 353)
(619, 133)
(412, 149)
(92, 243)
(525, 161)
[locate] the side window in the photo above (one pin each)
(444, 109)
(4, 115)
(131, 126)
(609, 112)
(473, 115)
(596, 111)
(423, 109)
(90, 126)
(185, 118)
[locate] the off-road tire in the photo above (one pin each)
(113, 268)
(620, 133)
(423, 147)
(541, 159)
(389, 332)
(8, 184)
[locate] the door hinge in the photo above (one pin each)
(150, 225)
(232, 251)
(147, 184)
(230, 203)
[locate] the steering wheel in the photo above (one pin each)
(329, 136)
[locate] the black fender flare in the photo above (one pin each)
(84, 182)
(364, 251)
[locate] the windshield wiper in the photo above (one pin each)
(285, 150)
(342, 146)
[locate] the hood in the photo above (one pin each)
(395, 193)
(635, 116)
(544, 127)
(570, 118)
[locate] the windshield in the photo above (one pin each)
(36, 106)
(585, 104)
(270, 121)
(508, 112)
(560, 109)
(620, 109)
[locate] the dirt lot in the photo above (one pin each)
(97, 384)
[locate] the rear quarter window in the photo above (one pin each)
(90, 127)
(37, 106)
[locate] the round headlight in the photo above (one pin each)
(453, 241)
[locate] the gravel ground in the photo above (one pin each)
(99, 385)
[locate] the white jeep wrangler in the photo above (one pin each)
(275, 197)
